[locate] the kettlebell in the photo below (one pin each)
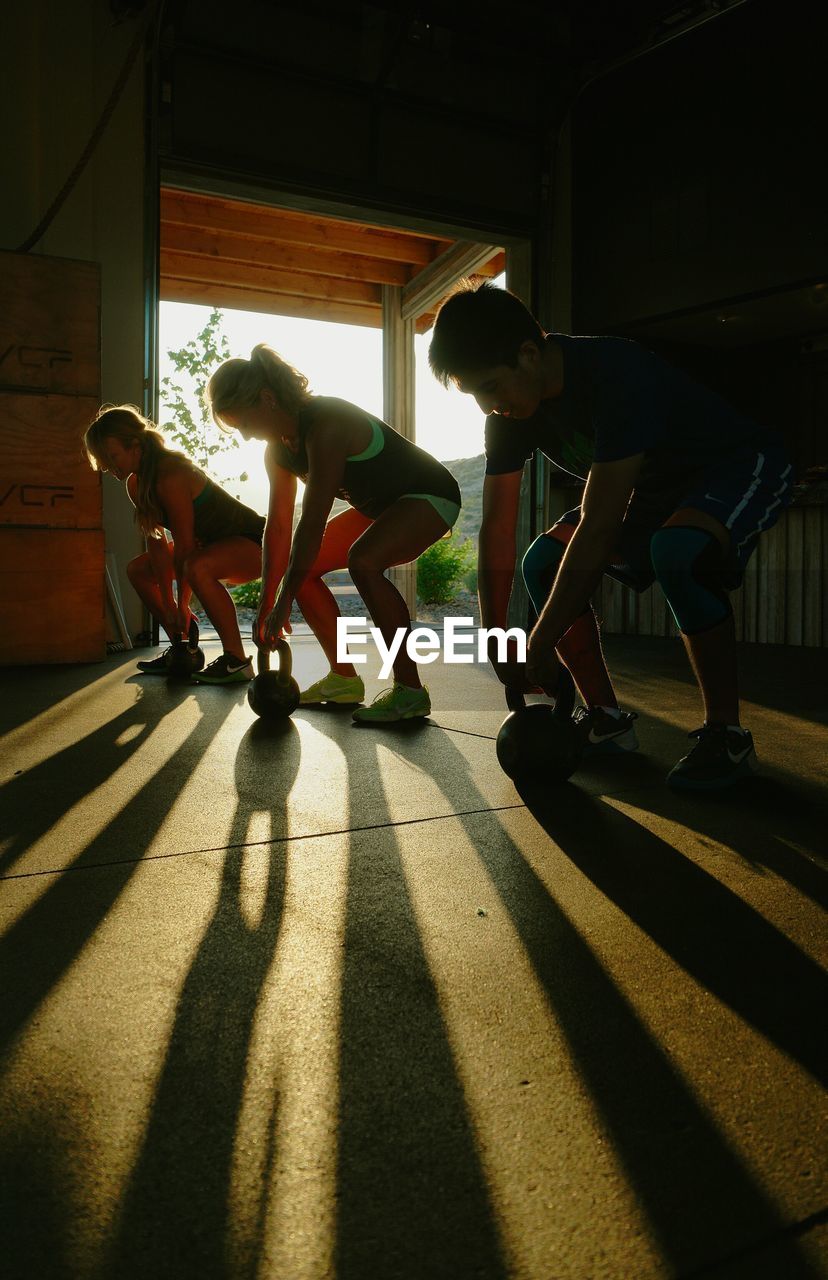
(540, 744)
(186, 657)
(274, 695)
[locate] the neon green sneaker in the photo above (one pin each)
(397, 703)
(344, 690)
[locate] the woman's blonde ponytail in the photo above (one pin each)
(237, 384)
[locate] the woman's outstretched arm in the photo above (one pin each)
(277, 537)
(176, 500)
(327, 450)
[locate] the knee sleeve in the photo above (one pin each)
(540, 567)
(689, 568)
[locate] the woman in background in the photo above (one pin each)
(215, 538)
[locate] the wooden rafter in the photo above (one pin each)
(286, 226)
(234, 254)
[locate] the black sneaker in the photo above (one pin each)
(159, 666)
(605, 734)
(226, 669)
(187, 656)
(720, 757)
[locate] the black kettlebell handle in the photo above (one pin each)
(285, 660)
(564, 698)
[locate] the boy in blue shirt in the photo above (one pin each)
(679, 486)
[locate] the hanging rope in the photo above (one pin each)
(95, 137)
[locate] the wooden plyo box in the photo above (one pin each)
(45, 478)
(49, 325)
(51, 541)
(51, 596)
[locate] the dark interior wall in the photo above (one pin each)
(60, 66)
(700, 212)
(699, 168)
(350, 101)
(781, 383)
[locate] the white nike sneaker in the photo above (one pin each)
(226, 669)
(605, 734)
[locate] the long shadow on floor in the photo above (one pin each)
(177, 1218)
(730, 950)
(785, 678)
(700, 1199)
(36, 1217)
(413, 1199)
(772, 823)
(31, 803)
(43, 942)
(36, 951)
(27, 692)
(708, 930)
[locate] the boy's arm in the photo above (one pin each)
(496, 564)
(606, 497)
(496, 546)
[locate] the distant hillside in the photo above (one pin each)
(468, 472)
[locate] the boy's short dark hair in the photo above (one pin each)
(479, 326)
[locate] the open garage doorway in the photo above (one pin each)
(349, 303)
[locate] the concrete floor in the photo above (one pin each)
(338, 1002)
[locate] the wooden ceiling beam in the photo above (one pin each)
(431, 285)
(282, 226)
(267, 303)
(180, 266)
(494, 267)
(226, 246)
(280, 261)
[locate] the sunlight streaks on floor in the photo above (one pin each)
(285, 1152)
(64, 841)
(537, 1128)
(53, 727)
(756, 885)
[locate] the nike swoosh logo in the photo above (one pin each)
(721, 501)
(602, 737)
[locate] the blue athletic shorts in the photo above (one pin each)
(746, 491)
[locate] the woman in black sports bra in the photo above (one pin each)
(216, 539)
(401, 501)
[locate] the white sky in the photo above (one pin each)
(339, 360)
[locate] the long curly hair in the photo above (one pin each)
(238, 383)
(126, 423)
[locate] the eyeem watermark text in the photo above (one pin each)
(461, 642)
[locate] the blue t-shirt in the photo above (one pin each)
(618, 399)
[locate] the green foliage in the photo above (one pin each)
(469, 579)
(246, 595)
(441, 568)
(182, 395)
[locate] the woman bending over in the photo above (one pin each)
(215, 538)
(401, 500)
